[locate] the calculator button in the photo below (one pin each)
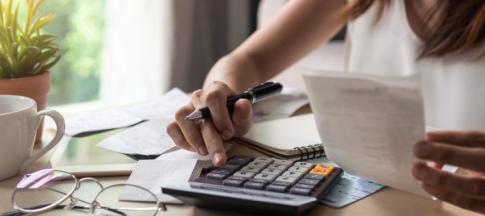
(255, 184)
(286, 179)
(278, 166)
(232, 167)
(263, 176)
(315, 177)
(303, 164)
(281, 183)
(272, 171)
(244, 174)
(300, 191)
(249, 168)
(292, 174)
(220, 173)
(233, 182)
(238, 178)
(306, 186)
(277, 188)
(309, 181)
(282, 162)
(260, 181)
(299, 169)
(323, 170)
(263, 160)
(258, 164)
(217, 176)
(239, 160)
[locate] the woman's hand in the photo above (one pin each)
(207, 136)
(463, 149)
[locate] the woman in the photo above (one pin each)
(441, 40)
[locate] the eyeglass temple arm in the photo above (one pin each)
(20, 213)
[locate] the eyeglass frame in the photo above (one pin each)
(92, 205)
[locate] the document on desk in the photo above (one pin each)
(280, 106)
(369, 124)
(148, 138)
(153, 174)
(164, 106)
(99, 120)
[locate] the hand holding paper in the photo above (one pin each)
(369, 124)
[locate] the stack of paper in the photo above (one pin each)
(153, 174)
(148, 138)
(99, 120)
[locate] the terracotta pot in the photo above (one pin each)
(36, 87)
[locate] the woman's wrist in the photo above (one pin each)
(238, 72)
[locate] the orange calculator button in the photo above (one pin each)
(322, 170)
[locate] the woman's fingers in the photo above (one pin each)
(190, 129)
(215, 98)
(466, 157)
(177, 136)
(462, 138)
(214, 143)
(460, 200)
(206, 136)
(466, 186)
(241, 117)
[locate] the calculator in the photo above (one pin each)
(257, 185)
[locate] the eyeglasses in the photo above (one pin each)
(47, 190)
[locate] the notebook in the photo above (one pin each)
(295, 137)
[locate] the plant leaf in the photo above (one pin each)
(25, 50)
(50, 64)
(41, 22)
(43, 40)
(5, 64)
(15, 22)
(2, 24)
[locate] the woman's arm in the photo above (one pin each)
(301, 26)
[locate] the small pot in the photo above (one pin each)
(36, 87)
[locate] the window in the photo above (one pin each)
(115, 52)
(79, 26)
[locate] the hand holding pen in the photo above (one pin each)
(224, 115)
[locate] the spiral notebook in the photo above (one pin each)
(293, 138)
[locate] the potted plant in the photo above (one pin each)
(26, 52)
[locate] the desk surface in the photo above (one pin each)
(386, 202)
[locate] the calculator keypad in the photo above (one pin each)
(275, 175)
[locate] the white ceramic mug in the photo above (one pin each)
(19, 120)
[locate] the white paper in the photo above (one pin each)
(279, 106)
(148, 138)
(184, 154)
(98, 121)
(153, 174)
(164, 106)
(369, 124)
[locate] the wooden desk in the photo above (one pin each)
(386, 202)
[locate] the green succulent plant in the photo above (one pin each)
(24, 49)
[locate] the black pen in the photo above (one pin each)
(254, 95)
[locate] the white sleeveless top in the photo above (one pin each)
(453, 87)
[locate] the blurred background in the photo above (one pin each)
(118, 52)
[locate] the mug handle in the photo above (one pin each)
(59, 120)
